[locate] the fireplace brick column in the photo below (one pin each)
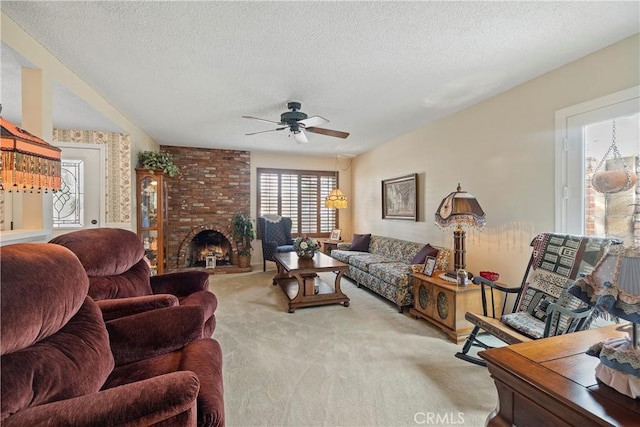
(210, 188)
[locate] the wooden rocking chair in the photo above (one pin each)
(541, 306)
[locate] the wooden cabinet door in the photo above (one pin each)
(445, 306)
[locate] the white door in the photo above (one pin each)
(80, 201)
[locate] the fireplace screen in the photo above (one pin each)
(208, 243)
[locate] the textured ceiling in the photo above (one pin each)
(185, 72)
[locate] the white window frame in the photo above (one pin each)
(564, 188)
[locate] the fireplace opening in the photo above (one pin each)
(205, 244)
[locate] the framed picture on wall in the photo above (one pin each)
(335, 234)
(429, 265)
(399, 198)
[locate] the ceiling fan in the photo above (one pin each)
(297, 122)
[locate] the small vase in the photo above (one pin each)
(305, 254)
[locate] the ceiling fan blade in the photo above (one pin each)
(264, 131)
(262, 120)
(313, 121)
(301, 137)
(328, 132)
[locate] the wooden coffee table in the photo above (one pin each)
(300, 282)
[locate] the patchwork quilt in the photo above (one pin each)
(557, 261)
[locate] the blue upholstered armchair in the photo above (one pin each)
(275, 233)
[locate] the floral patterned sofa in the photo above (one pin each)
(386, 268)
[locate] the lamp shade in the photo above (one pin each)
(614, 287)
(336, 199)
(458, 209)
(27, 162)
(614, 284)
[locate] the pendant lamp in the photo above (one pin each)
(336, 199)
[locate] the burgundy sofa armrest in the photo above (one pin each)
(153, 333)
(181, 283)
(122, 307)
(169, 398)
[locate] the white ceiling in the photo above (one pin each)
(185, 72)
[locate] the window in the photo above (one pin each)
(299, 195)
(68, 201)
(584, 133)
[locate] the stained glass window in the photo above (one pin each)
(68, 202)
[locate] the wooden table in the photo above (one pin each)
(552, 381)
(445, 303)
(300, 282)
(329, 245)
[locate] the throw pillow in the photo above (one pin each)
(421, 256)
(360, 242)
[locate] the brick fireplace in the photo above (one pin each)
(211, 187)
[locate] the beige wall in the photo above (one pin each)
(501, 151)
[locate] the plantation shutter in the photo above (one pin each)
(298, 195)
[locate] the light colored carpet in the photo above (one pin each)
(362, 365)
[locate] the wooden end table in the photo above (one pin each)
(552, 382)
(299, 280)
(444, 304)
(329, 245)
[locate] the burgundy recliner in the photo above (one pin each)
(114, 260)
(61, 364)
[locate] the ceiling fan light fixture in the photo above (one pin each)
(300, 136)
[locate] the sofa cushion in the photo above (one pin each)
(396, 273)
(363, 261)
(360, 242)
(395, 249)
(344, 255)
(426, 251)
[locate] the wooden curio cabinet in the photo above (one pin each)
(153, 230)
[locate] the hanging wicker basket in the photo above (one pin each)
(613, 181)
(617, 179)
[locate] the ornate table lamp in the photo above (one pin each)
(460, 210)
(614, 288)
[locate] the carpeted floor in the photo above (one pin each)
(362, 365)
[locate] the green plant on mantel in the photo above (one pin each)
(157, 161)
(243, 233)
